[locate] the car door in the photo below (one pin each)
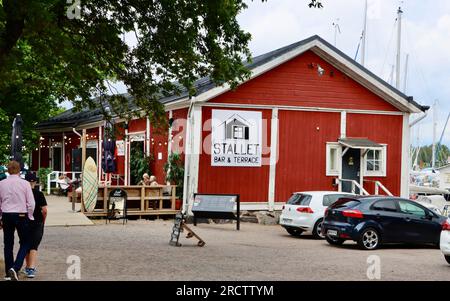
(420, 225)
(385, 212)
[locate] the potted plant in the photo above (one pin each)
(174, 169)
(42, 175)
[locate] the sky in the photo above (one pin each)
(425, 37)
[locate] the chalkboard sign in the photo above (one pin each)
(117, 205)
(216, 206)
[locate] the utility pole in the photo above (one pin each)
(363, 46)
(399, 45)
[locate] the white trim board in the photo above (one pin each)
(298, 108)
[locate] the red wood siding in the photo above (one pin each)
(179, 127)
(251, 183)
(137, 125)
(295, 84)
(302, 151)
(158, 144)
(385, 129)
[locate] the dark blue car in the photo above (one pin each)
(375, 220)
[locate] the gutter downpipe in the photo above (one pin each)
(414, 122)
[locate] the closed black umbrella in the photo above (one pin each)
(16, 140)
(109, 148)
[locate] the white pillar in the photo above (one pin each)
(169, 135)
(192, 155)
(343, 124)
(63, 153)
(147, 137)
(125, 143)
(100, 153)
(404, 185)
(273, 158)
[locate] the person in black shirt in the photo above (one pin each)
(36, 226)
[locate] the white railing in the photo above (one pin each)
(53, 177)
(355, 185)
(379, 185)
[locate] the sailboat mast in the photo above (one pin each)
(363, 46)
(433, 148)
(399, 45)
(405, 79)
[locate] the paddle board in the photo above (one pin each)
(90, 184)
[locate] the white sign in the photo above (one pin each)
(236, 138)
(120, 145)
(91, 144)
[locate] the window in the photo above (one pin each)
(330, 199)
(333, 159)
(410, 208)
(238, 132)
(375, 162)
(299, 199)
(385, 205)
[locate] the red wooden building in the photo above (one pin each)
(309, 118)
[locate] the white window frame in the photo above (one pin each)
(241, 132)
(382, 171)
(338, 159)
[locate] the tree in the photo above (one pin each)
(57, 50)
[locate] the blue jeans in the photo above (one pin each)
(11, 223)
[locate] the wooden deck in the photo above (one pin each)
(142, 200)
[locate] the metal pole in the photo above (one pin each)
(405, 80)
(399, 45)
(363, 46)
(433, 150)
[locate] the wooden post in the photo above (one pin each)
(105, 199)
(173, 196)
(143, 207)
(160, 194)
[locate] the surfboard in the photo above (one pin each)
(90, 184)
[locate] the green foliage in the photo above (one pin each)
(139, 164)
(42, 175)
(47, 56)
(425, 155)
(174, 169)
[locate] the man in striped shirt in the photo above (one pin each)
(16, 210)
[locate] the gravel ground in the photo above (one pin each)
(140, 251)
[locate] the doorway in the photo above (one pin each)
(138, 164)
(351, 168)
(56, 159)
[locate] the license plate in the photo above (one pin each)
(332, 233)
(287, 220)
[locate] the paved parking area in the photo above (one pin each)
(140, 251)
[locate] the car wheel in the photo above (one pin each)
(369, 239)
(317, 230)
(334, 241)
(447, 257)
(294, 232)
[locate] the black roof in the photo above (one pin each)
(71, 118)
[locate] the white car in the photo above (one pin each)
(445, 240)
(304, 211)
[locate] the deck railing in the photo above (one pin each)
(354, 184)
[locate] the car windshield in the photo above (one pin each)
(345, 203)
(299, 199)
